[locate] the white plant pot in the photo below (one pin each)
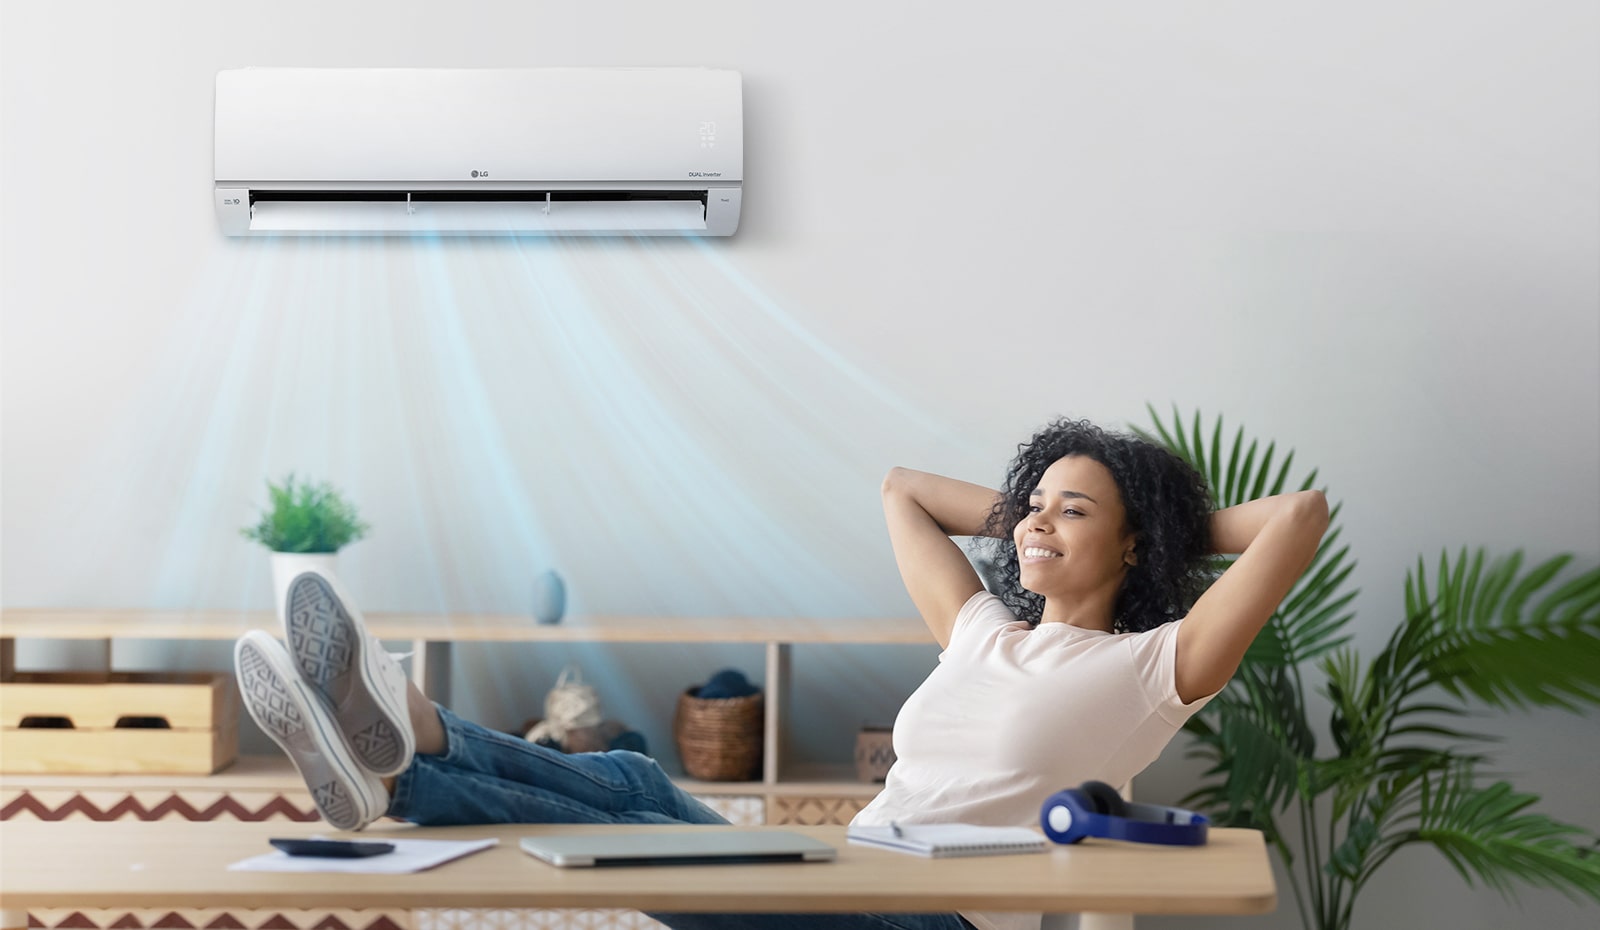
(286, 565)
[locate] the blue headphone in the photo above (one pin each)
(1095, 809)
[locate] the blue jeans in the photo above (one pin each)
(490, 777)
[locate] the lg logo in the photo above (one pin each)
(480, 174)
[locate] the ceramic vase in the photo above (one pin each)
(549, 597)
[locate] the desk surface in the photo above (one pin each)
(167, 864)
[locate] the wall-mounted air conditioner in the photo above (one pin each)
(396, 151)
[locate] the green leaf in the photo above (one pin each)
(1539, 648)
(1215, 473)
(1245, 471)
(1418, 600)
(1575, 601)
(1261, 475)
(1495, 586)
(1226, 491)
(1161, 429)
(1548, 667)
(1349, 858)
(1511, 613)
(1199, 446)
(1261, 738)
(1283, 474)
(1486, 835)
(1436, 729)
(1319, 584)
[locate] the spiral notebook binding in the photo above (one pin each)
(947, 840)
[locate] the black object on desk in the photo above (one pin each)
(332, 849)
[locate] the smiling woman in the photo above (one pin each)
(1101, 637)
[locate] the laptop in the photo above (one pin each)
(671, 847)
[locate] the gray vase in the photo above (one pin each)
(549, 597)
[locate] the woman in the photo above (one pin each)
(1083, 666)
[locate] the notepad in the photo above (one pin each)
(943, 840)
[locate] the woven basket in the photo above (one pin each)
(719, 738)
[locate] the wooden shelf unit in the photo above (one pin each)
(431, 637)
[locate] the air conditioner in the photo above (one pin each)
(558, 151)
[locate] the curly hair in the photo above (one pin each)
(1168, 506)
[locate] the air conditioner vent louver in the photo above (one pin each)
(475, 196)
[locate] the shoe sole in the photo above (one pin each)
(330, 648)
(283, 707)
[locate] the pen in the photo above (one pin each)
(895, 829)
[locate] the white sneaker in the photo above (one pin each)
(363, 684)
(347, 796)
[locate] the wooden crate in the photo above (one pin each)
(200, 711)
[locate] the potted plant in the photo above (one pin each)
(305, 526)
(1482, 631)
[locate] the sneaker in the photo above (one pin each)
(347, 796)
(363, 684)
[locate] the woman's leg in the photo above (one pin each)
(478, 775)
(425, 723)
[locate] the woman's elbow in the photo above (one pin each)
(1311, 508)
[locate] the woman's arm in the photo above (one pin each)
(1276, 538)
(1233, 529)
(923, 511)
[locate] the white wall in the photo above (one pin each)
(1369, 231)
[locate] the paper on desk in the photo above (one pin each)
(408, 856)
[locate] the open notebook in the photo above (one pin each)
(941, 840)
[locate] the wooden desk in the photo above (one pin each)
(181, 864)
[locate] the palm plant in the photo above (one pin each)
(1481, 629)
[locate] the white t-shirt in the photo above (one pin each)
(1012, 715)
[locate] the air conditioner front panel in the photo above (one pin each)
(415, 127)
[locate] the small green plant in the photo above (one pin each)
(306, 517)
